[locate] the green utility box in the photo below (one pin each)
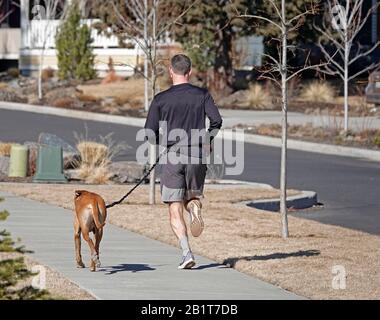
(18, 162)
(49, 165)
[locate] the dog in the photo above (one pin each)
(90, 216)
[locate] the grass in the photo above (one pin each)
(131, 91)
(248, 239)
(95, 158)
(318, 92)
(5, 149)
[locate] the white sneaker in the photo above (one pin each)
(187, 261)
(196, 221)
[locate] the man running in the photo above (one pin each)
(183, 109)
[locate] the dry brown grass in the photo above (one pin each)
(123, 91)
(248, 239)
(3, 85)
(92, 153)
(65, 102)
(5, 149)
(258, 98)
(93, 166)
(318, 92)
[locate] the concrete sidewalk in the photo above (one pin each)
(133, 266)
(254, 118)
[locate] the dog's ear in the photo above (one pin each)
(78, 193)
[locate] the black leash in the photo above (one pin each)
(139, 182)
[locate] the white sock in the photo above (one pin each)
(184, 243)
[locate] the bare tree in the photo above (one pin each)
(148, 22)
(341, 26)
(279, 71)
(46, 11)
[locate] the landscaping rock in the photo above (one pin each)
(53, 140)
(72, 175)
(126, 171)
(11, 95)
(4, 165)
(233, 99)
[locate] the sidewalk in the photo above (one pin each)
(252, 117)
(133, 266)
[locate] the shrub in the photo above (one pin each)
(13, 72)
(258, 98)
(376, 141)
(63, 102)
(318, 92)
(74, 52)
(47, 74)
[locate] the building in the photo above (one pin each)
(23, 37)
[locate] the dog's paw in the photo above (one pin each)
(95, 260)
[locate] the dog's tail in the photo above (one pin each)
(96, 214)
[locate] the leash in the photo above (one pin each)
(139, 182)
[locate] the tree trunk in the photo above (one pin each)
(146, 97)
(40, 76)
(346, 61)
(284, 89)
(153, 53)
(220, 81)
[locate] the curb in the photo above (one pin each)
(238, 182)
(306, 199)
(250, 138)
(68, 113)
(307, 146)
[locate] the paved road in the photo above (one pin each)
(135, 267)
(348, 187)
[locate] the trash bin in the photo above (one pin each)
(49, 165)
(18, 162)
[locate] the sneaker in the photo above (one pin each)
(196, 222)
(187, 261)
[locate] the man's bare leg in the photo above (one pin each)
(179, 228)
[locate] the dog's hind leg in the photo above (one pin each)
(98, 238)
(86, 236)
(77, 240)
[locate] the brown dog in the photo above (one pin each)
(90, 216)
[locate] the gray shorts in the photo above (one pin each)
(182, 181)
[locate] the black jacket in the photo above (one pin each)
(184, 106)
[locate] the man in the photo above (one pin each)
(183, 109)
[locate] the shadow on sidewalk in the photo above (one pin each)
(301, 253)
(126, 267)
(209, 266)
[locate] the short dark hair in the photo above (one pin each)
(181, 64)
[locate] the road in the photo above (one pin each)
(349, 188)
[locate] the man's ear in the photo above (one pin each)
(190, 72)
